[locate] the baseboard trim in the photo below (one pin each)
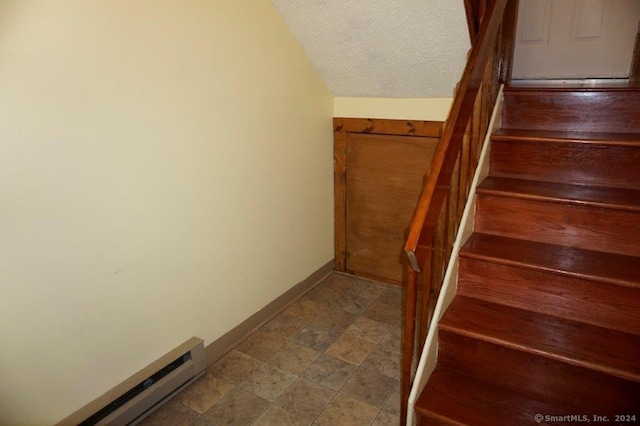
(229, 340)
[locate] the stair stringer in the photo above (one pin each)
(429, 356)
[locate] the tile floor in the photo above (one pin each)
(330, 358)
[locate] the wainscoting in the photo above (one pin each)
(379, 172)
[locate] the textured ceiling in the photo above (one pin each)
(382, 48)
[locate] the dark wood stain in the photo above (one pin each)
(379, 167)
(546, 317)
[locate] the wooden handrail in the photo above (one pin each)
(475, 10)
(454, 130)
(446, 188)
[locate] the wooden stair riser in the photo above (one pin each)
(516, 370)
(570, 261)
(606, 305)
(430, 419)
(576, 343)
(462, 400)
(577, 163)
(573, 225)
(584, 110)
(546, 315)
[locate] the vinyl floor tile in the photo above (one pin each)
(386, 419)
(393, 402)
(344, 410)
(285, 326)
(276, 416)
(293, 358)
(202, 394)
(393, 338)
(330, 371)
(316, 337)
(370, 387)
(322, 295)
(335, 319)
(368, 329)
(384, 313)
(305, 309)
(268, 382)
(384, 361)
(352, 302)
(172, 413)
(238, 407)
(305, 399)
(330, 358)
(351, 349)
(234, 367)
(261, 345)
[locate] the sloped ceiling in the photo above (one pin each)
(382, 48)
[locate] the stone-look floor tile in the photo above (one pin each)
(352, 302)
(330, 372)
(261, 345)
(338, 282)
(392, 295)
(369, 290)
(393, 339)
(293, 358)
(393, 402)
(238, 407)
(324, 296)
(315, 337)
(305, 399)
(368, 329)
(268, 382)
(370, 387)
(203, 393)
(384, 361)
(350, 349)
(284, 326)
(386, 419)
(304, 309)
(204, 421)
(276, 416)
(384, 313)
(234, 367)
(312, 326)
(335, 319)
(344, 410)
(171, 413)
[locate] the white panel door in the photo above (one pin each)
(564, 39)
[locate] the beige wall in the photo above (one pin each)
(165, 171)
(430, 109)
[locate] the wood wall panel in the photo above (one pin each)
(381, 165)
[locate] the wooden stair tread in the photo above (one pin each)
(625, 88)
(597, 196)
(608, 351)
(545, 319)
(592, 265)
(572, 109)
(544, 136)
(454, 398)
(567, 157)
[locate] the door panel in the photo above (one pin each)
(534, 23)
(591, 19)
(384, 179)
(565, 39)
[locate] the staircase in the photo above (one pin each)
(546, 319)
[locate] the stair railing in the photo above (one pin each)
(439, 211)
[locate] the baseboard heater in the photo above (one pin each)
(134, 399)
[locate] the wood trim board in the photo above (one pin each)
(343, 127)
